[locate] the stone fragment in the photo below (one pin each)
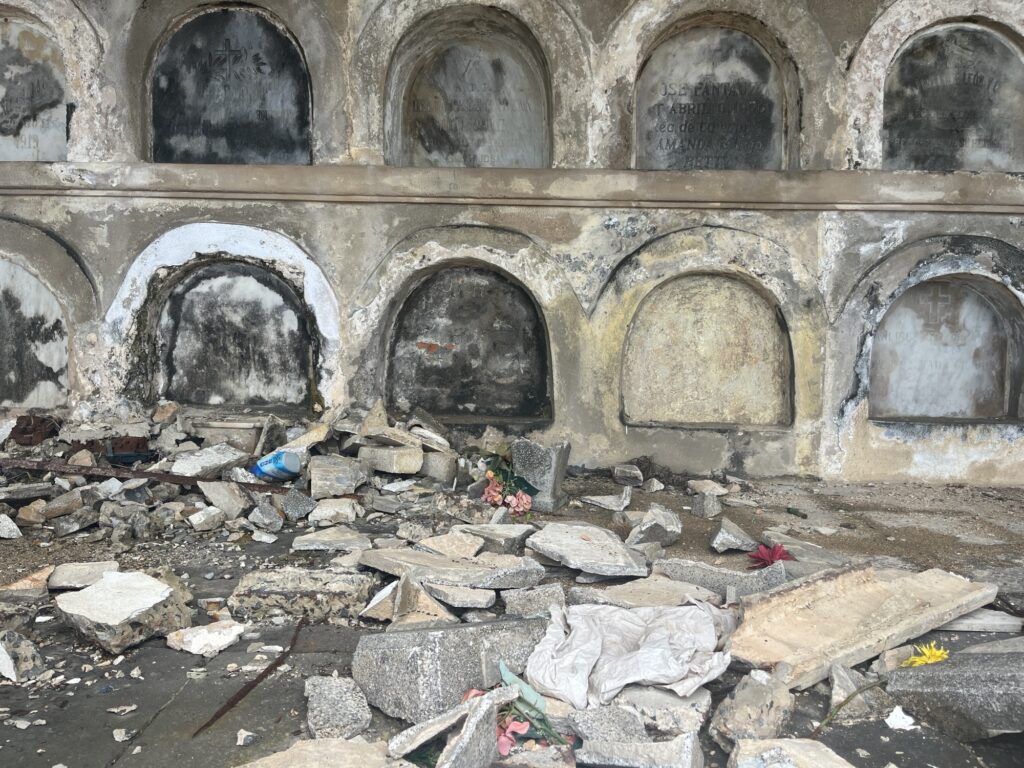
(31, 515)
(730, 536)
(208, 463)
(266, 516)
(393, 461)
(871, 704)
(652, 485)
(415, 737)
(14, 616)
(453, 544)
(784, 753)
(207, 640)
(985, 620)
(544, 469)
(628, 474)
(706, 506)
(706, 486)
(419, 674)
(507, 539)
(75, 522)
(614, 502)
(336, 753)
(970, 696)
(8, 529)
(80, 575)
(651, 592)
(534, 602)
(318, 595)
(65, 504)
(681, 752)
(294, 505)
(608, 723)
(28, 588)
(231, 499)
(207, 519)
(461, 597)
(758, 708)
(659, 526)
(335, 708)
(720, 580)
(665, 712)
(337, 539)
(19, 659)
(334, 512)
(486, 571)
(124, 609)
(651, 551)
(334, 475)
(849, 616)
(442, 466)
(262, 537)
(587, 548)
(475, 744)
(382, 605)
(27, 491)
(414, 607)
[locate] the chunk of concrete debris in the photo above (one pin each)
(474, 745)
(207, 640)
(533, 602)
(334, 475)
(442, 466)
(681, 752)
(969, 696)
(505, 539)
(486, 571)
(8, 529)
(262, 537)
(665, 712)
(337, 539)
(28, 588)
(758, 708)
(335, 708)
(330, 512)
(80, 575)
(628, 474)
(455, 544)
(14, 616)
(207, 519)
(644, 593)
(19, 659)
(784, 753)
(587, 548)
(75, 522)
(230, 498)
(721, 580)
(393, 461)
(382, 605)
(266, 516)
(985, 620)
(849, 616)
(707, 486)
(706, 506)
(414, 607)
(461, 597)
(318, 595)
(652, 485)
(208, 463)
(730, 536)
(124, 609)
(415, 737)
(608, 723)
(544, 469)
(336, 753)
(869, 704)
(294, 505)
(68, 503)
(614, 502)
(419, 674)
(659, 526)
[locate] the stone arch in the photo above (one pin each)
(558, 37)
(784, 28)
(887, 37)
(263, 273)
(230, 84)
(468, 87)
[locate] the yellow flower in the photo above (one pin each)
(926, 654)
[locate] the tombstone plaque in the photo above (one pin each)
(710, 98)
(954, 99)
(231, 87)
(33, 112)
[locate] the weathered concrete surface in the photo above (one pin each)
(587, 548)
(784, 753)
(319, 595)
(486, 571)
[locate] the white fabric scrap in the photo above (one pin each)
(591, 652)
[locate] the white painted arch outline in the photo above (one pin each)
(180, 246)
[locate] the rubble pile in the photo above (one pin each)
(493, 625)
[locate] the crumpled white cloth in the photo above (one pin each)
(591, 652)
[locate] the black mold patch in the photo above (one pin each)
(230, 87)
(20, 370)
(30, 88)
(469, 345)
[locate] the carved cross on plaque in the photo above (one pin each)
(935, 304)
(227, 63)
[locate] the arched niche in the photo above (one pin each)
(33, 104)
(33, 342)
(233, 333)
(712, 96)
(469, 345)
(949, 349)
(707, 350)
(469, 87)
(954, 100)
(230, 85)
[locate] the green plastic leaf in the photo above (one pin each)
(527, 694)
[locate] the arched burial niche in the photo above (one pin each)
(33, 109)
(713, 96)
(949, 349)
(469, 87)
(230, 86)
(707, 350)
(232, 333)
(954, 99)
(469, 345)
(33, 342)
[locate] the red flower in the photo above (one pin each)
(764, 557)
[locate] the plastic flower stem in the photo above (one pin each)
(836, 709)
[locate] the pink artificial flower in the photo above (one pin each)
(507, 732)
(520, 503)
(492, 493)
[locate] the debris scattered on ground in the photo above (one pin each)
(336, 708)
(758, 708)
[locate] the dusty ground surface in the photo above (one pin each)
(972, 531)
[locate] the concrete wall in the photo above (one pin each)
(709, 319)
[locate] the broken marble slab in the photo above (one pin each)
(208, 463)
(810, 558)
(392, 461)
(870, 704)
(207, 519)
(80, 575)
(335, 708)
(758, 708)
(474, 745)
(682, 752)
(230, 498)
(336, 753)
(533, 602)
(414, 607)
(455, 544)
(722, 580)
(588, 548)
(651, 592)
(485, 571)
(730, 536)
(318, 595)
(985, 620)
(784, 753)
(207, 640)
(500, 539)
(337, 539)
(382, 605)
(19, 659)
(664, 712)
(461, 597)
(615, 502)
(335, 511)
(415, 737)
(124, 609)
(610, 722)
(658, 526)
(334, 475)
(849, 616)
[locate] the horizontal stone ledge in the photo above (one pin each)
(900, 191)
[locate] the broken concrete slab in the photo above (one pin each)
(665, 712)
(681, 752)
(659, 526)
(461, 597)
(614, 502)
(393, 461)
(318, 595)
(335, 512)
(337, 539)
(207, 640)
(651, 592)
(208, 463)
(721, 580)
(608, 723)
(758, 708)
(124, 609)
(587, 548)
(414, 607)
(8, 529)
(804, 552)
(67, 503)
(628, 474)
(505, 539)
(335, 708)
(985, 620)
(784, 753)
(870, 704)
(230, 498)
(533, 602)
(382, 605)
(80, 575)
(334, 475)
(475, 744)
(453, 544)
(75, 522)
(849, 616)
(419, 674)
(207, 519)
(730, 536)
(486, 571)
(294, 505)
(442, 466)
(336, 753)
(19, 659)
(28, 588)
(415, 737)
(544, 469)
(266, 516)
(706, 506)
